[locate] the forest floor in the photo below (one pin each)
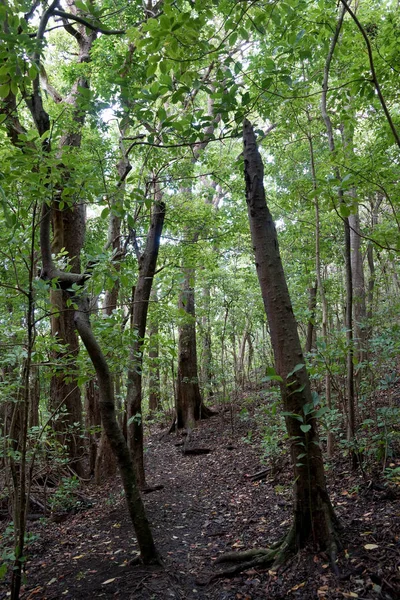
(210, 505)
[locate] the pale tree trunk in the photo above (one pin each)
(147, 267)
(375, 205)
(312, 305)
(314, 518)
(207, 369)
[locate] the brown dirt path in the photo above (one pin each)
(209, 506)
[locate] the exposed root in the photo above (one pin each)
(273, 558)
(243, 556)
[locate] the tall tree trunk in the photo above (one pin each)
(154, 364)
(312, 305)
(207, 370)
(320, 286)
(147, 266)
(68, 236)
(189, 401)
(348, 276)
(314, 517)
(117, 441)
(105, 461)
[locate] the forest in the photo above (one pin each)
(199, 299)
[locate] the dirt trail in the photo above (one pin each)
(209, 506)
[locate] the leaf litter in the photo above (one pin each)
(209, 505)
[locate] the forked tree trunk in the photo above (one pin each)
(117, 441)
(314, 518)
(68, 235)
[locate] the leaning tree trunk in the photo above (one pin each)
(314, 518)
(147, 268)
(117, 441)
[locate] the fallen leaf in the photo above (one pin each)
(298, 586)
(371, 546)
(108, 581)
(79, 556)
(52, 581)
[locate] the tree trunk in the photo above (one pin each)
(319, 285)
(312, 305)
(68, 236)
(117, 441)
(189, 399)
(314, 517)
(154, 364)
(207, 369)
(147, 267)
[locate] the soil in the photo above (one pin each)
(210, 505)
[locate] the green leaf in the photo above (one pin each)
(305, 428)
(296, 368)
(344, 210)
(4, 90)
(151, 69)
(105, 212)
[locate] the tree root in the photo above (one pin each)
(274, 557)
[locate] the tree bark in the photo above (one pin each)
(312, 305)
(314, 517)
(147, 267)
(68, 235)
(154, 365)
(117, 441)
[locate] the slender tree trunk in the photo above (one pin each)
(348, 275)
(314, 517)
(312, 305)
(321, 288)
(147, 267)
(117, 441)
(154, 363)
(207, 370)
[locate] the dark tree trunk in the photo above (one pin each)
(147, 267)
(314, 518)
(189, 404)
(117, 441)
(68, 235)
(189, 400)
(154, 364)
(349, 338)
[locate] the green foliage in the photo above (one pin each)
(64, 499)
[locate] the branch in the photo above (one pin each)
(98, 28)
(373, 72)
